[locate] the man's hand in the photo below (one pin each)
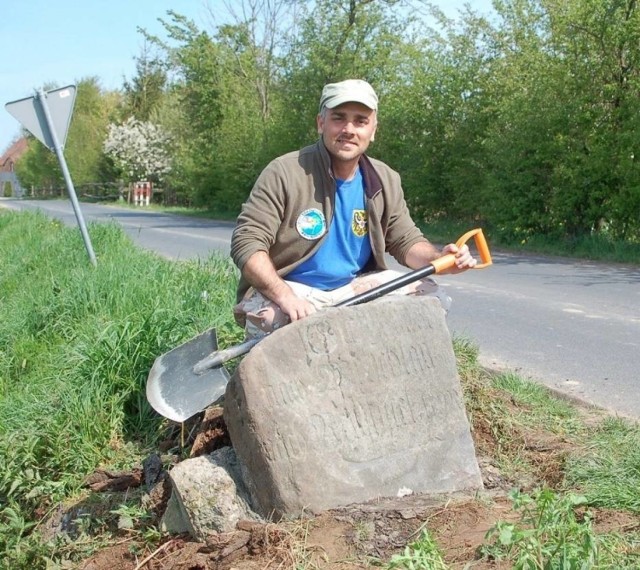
(260, 272)
(422, 254)
(464, 259)
(295, 307)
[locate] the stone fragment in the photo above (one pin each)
(207, 496)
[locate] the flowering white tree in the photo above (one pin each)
(139, 149)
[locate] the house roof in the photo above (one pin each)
(12, 154)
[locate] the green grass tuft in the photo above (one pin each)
(608, 468)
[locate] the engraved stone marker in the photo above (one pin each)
(351, 404)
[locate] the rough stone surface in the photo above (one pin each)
(206, 496)
(351, 404)
(175, 519)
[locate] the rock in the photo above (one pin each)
(207, 496)
(351, 404)
(176, 520)
(152, 470)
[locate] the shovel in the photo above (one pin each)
(189, 378)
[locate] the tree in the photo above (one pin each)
(600, 48)
(139, 150)
(192, 58)
(94, 109)
(222, 83)
(38, 168)
(144, 93)
(335, 40)
(526, 120)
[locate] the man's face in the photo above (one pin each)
(347, 130)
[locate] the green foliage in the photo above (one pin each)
(76, 345)
(608, 468)
(39, 168)
(422, 554)
(195, 58)
(559, 152)
(93, 111)
(549, 536)
(338, 40)
(144, 93)
(525, 122)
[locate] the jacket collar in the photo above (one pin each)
(372, 182)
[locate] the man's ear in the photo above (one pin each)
(319, 123)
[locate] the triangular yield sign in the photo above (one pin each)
(30, 113)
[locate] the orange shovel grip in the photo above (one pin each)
(447, 261)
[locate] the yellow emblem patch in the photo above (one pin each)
(359, 224)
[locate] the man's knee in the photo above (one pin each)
(258, 315)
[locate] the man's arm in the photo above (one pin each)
(261, 273)
(423, 253)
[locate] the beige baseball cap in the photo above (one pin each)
(351, 90)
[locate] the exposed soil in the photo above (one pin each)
(358, 536)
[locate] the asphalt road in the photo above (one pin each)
(572, 325)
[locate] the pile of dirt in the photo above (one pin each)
(356, 536)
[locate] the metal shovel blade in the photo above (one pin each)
(174, 390)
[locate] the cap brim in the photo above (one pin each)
(334, 102)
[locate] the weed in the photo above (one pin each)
(422, 554)
(131, 516)
(549, 535)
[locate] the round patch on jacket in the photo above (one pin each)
(311, 224)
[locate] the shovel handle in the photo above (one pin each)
(436, 266)
(219, 357)
(448, 261)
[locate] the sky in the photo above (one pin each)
(43, 42)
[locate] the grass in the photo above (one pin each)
(599, 468)
(76, 345)
(607, 470)
(422, 553)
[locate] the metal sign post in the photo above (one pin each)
(47, 116)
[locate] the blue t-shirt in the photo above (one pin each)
(346, 249)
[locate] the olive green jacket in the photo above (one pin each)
(303, 180)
